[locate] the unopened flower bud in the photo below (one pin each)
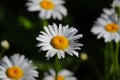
(84, 56)
(5, 44)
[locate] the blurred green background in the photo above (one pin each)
(21, 27)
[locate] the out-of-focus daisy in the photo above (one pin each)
(48, 8)
(116, 3)
(107, 26)
(58, 40)
(17, 68)
(62, 75)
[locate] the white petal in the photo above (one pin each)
(58, 15)
(60, 29)
(34, 8)
(65, 73)
(42, 14)
(7, 61)
(76, 37)
(55, 28)
(70, 78)
(69, 51)
(52, 72)
(75, 53)
(48, 78)
(61, 9)
(48, 14)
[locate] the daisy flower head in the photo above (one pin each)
(62, 75)
(107, 26)
(17, 67)
(58, 40)
(116, 3)
(48, 8)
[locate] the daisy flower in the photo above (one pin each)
(116, 3)
(107, 26)
(17, 67)
(62, 75)
(48, 8)
(58, 40)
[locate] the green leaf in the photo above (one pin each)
(26, 23)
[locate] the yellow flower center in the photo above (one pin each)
(47, 4)
(60, 78)
(112, 27)
(59, 42)
(14, 72)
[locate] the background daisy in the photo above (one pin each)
(17, 68)
(62, 75)
(58, 40)
(48, 8)
(107, 26)
(116, 3)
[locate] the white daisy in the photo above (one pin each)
(62, 75)
(107, 26)
(48, 8)
(17, 68)
(58, 40)
(116, 3)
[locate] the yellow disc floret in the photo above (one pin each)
(47, 4)
(59, 42)
(14, 72)
(60, 78)
(112, 27)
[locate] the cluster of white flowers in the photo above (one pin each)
(108, 25)
(17, 67)
(58, 40)
(55, 40)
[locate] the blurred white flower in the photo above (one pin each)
(107, 26)
(17, 68)
(116, 3)
(58, 40)
(48, 8)
(5, 44)
(62, 75)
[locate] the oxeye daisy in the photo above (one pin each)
(58, 40)
(17, 67)
(62, 75)
(107, 26)
(48, 8)
(116, 3)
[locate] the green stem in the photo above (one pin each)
(113, 60)
(116, 59)
(44, 22)
(2, 52)
(56, 66)
(106, 62)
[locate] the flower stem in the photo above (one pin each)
(116, 59)
(106, 62)
(44, 22)
(2, 52)
(113, 61)
(56, 66)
